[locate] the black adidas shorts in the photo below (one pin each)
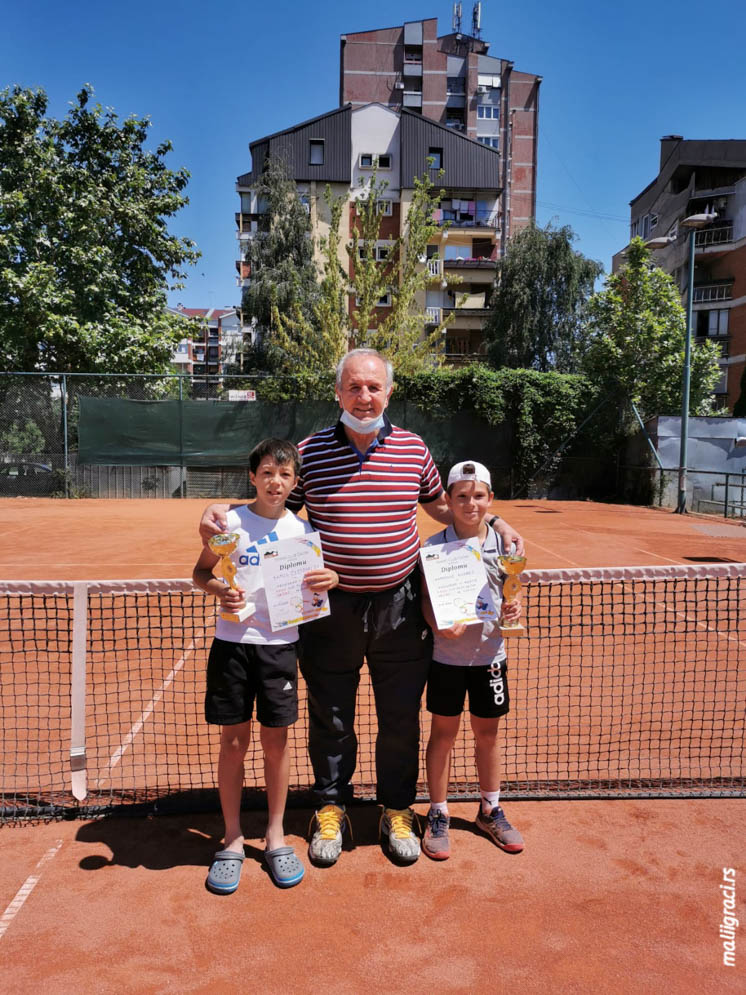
(487, 686)
(238, 673)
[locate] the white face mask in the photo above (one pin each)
(362, 427)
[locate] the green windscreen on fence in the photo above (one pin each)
(119, 431)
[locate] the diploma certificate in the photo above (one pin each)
(457, 583)
(284, 564)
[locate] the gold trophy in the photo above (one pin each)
(511, 565)
(222, 545)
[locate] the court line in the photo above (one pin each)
(551, 552)
(703, 625)
(26, 888)
(147, 712)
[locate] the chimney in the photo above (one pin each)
(667, 146)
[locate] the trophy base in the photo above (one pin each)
(512, 630)
(240, 616)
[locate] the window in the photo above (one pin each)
(368, 160)
(487, 111)
(379, 252)
(385, 207)
(455, 84)
(492, 140)
(721, 387)
(712, 323)
(384, 301)
(316, 153)
(306, 203)
(412, 53)
(455, 122)
(436, 155)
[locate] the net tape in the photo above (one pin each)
(629, 682)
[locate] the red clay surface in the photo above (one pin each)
(112, 539)
(615, 896)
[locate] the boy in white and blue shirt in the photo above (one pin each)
(469, 658)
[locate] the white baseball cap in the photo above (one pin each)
(469, 470)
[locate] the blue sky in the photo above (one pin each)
(213, 77)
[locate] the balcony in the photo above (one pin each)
(462, 358)
(477, 219)
(433, 315)
(714, 236)
(709, 293)
(412, 98)
(479, 263)
(247, 224)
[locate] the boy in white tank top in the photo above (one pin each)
(248, 662)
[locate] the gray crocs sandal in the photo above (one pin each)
(284, 866)
(225, 872)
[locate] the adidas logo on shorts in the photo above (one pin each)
(288, 686)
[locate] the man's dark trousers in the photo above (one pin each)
(388, 630)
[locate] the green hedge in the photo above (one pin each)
(538, 410)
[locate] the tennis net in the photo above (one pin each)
(629, 682)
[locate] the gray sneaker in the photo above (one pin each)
(326, 842)
(499, 830)
(396, 826)
(436, 841)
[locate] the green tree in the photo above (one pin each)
(317, 341)
(86, 258)
(23, 438)
(539, 304)
(635, 348)
(284, 277)
(401, 335)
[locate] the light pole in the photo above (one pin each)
(693, 222)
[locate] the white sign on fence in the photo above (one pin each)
(241, 395)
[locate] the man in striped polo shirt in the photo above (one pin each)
(361, 482)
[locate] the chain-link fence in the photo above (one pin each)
(39, 439)
(41, 450)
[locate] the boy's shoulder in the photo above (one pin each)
(297, 523)
(243, 517)
(437, 539)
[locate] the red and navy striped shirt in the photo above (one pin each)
(365, 506)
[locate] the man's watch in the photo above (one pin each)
(491, 523)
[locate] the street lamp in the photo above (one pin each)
(693, 222)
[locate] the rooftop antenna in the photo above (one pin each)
(457, 18)
(476, 20)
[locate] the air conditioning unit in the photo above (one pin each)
(398, 86)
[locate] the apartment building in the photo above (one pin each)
(703, 177)
(213, 342)
(451, 79)
(342, 147)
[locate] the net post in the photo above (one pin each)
(77, 691)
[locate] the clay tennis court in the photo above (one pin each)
(610, 895)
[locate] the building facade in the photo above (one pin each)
(452, 80)
(212, 345)
(342, 148)
(697, 177)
